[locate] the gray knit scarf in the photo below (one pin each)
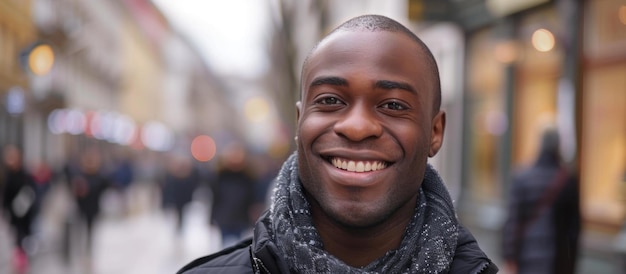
(428, 244)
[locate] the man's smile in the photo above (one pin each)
(357, 166)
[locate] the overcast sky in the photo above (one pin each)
(229, 33)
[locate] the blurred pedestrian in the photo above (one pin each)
(233, 195)
(542, 230)
(178, 185)
(19, 203)
(122, 177)
(87, 185)
(43, 176)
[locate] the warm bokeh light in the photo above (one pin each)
(622, 14)
(256, 109)
(41, 59)
(203, 148)
(543, 40)
(506, 52)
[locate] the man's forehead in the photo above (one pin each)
(345, 41)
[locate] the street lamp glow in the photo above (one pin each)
(543, 40)
(41, 59)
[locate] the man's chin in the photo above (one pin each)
(356, 220)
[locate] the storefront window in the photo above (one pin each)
(537, 75)
(603, 142)
(488, 120)
(530, 56)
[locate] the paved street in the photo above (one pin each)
(142, 241)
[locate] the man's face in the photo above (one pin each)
(366, 126)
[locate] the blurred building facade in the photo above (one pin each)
(16, 33)
(120, 76)
(529, 63)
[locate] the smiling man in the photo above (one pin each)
(358, 196)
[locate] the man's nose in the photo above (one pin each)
(359, 123)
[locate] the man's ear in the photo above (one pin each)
(436, 135)
(298, 110)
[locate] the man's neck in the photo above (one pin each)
(358, 247)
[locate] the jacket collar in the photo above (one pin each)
(264, 253)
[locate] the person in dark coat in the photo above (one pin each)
(542, 229)
(123, 176)
(358, 195)
(19, 202)
(178, 185)
(233, 195)
(88, 183)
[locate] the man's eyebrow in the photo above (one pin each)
(388, 84)
(329, 80)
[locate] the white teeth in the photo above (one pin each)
(358, 166)
(351, 166)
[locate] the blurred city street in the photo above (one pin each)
(143, 241)
(119, 117)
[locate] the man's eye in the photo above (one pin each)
(394, 106)
(328, 101)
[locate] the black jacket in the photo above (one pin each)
(19, 184)
(259, 255)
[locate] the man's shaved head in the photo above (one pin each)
(375, 23)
